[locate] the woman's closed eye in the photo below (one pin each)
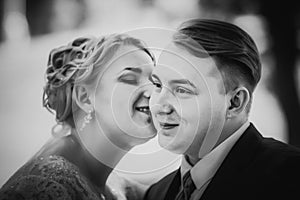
(129, 79)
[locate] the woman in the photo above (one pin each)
(99, 91)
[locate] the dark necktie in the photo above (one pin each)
(187, 189)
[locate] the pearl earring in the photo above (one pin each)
(86, 120)
(61, 129)
(228, 115)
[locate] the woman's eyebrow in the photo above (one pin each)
(133, 69)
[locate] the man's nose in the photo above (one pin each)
(165, 109)
(163, 104)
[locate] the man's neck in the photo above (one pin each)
(192, 160)
(228, 130)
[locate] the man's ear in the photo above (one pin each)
(81, 96)
(237, 101)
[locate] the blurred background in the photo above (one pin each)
(29, 29)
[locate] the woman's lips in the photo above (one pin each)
(141, 105)
(143, 109)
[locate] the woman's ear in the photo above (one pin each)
(81, 96)
(237, 102)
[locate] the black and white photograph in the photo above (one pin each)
(149, 100)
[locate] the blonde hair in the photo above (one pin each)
(79, 61)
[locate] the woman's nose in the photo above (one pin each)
(148, 91)
(147, 94)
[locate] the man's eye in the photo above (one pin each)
(156, 84)
(182, 90)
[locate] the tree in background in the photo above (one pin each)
(1, 19)
(281, 18)
(39, 14)
(45, 16)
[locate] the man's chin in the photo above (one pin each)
(166, 142)
(169, 144)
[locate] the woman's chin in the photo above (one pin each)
(145, 133)
(142, 119)
(143, 138)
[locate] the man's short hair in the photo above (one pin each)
(233, 50)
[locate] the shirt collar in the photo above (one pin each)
(210, 163)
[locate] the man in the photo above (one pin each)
(204, 84)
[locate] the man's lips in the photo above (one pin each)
(168, 126)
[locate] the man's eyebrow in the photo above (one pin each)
(182, 81)
(154, 76)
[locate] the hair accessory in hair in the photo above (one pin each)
(65, 64)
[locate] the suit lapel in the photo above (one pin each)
(239, 157)
(173, 187)
(166, 188)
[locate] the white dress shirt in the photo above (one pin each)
(203, 171)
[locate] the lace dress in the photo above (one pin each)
(51, 177)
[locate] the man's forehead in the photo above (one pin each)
(177, 59)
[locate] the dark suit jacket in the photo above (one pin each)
(255, 168)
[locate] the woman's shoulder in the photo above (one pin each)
(32, 186)
(123, 187)
(50, 177)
